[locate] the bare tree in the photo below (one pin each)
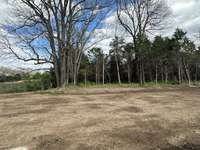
(117, 45)
(117, 61)
(128, 55)
(55, 32)
(103, 69)
(138, 17)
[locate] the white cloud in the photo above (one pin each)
(110, 29)
(6, 11)
(7, 60)
(3, 10)
(185, 15)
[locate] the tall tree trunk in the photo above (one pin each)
(187, 71)
(103, 71)
(75, 74)
(166, 74)
(140, 72)
(143, 74)
(68, 67)
(74, 77)
(189, 78)
(63, 68)
(99, 72)
(85, 78)
(96, 73)
(56, 69)
(179, 74)
(156, 73)
(188, 75)
(129, 73)
(109, 77)
(150, 74)
(118, 70)
(55, 58)
(162, 72)
(196, 73)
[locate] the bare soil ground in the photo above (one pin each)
(101, 119)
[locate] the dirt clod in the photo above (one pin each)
(48, 142)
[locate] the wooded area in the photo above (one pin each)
(164, 59)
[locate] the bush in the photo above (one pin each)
(39, 81)
(33, 85)
(10, 78)
(33, 82)
(46, 81)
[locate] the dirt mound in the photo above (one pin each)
(48, 142)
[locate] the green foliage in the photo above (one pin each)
(32, 85)
(15, 87)
(117, 46)
(39, 81)
(144, 45)
(127, 85)
(10, 78)
(34, 82)
(46, 81)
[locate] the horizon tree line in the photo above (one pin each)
(175, 59)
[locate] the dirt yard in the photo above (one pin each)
(101, 119)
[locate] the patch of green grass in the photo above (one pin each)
(37, 85)
(23, 86)
(91, 85)
(11, 88)
(126, 85)
(107, 85)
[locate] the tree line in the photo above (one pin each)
(164, 59)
